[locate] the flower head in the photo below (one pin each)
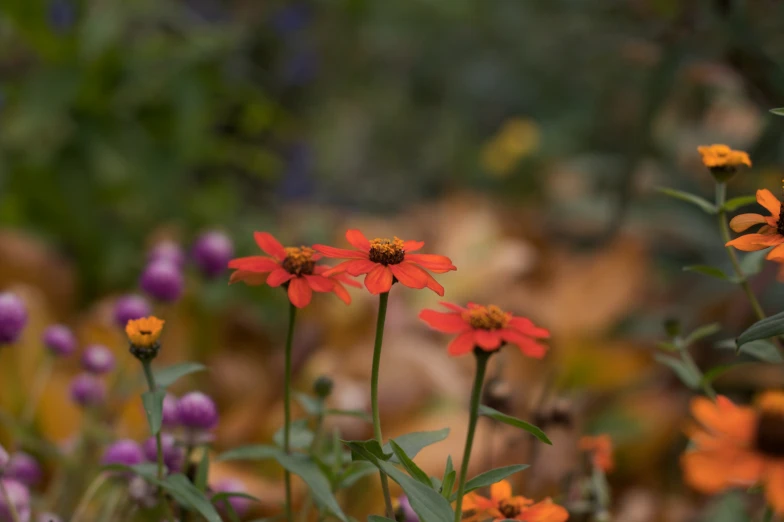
(722, 161)
(173, 455)
(197, 411)
(295, 268)
(163, 280)
(88, 390)
(387, 261)
(600, 449)
(487, 328)
(170, 418)
(502, 505)
(770, 234)
(167, 250)
(125, 451)
(143, 335)
(240, 505)
(212, 251)
(130, 307)
(98, 359)
(24, 468)
(13, 317)
(738, 446)
(19, 497)
(59, 340)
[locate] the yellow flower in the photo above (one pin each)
(144, 332)
(517, 139)
(722, 157)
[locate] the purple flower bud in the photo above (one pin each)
(163, 280)
(19, 496)
(24, 468)
(171, 418)
(4, 458)
(212, 252)
(88, 390)
(48, 517)
(129, 307)
(197, 411)
(167, 251)
(125, 451)
(60, 340)
(98, 359)
(173, 455)
(406, 511)
(240, 505)
(13, 317)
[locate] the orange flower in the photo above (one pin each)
(386, 261)
(771, 233)
(738, 446)
(486, 327)
(294, 267)
(145, 331)
(502, 505)
(601, 449)
(722, 158)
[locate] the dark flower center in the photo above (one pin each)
(487, 318)
(770, 426)
(780, 222)
(299, 260)
(145, 332)
(508, 510)
(387, 251)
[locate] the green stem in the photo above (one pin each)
(721, 197)
(768, 515)
(382, 315)
(88, 495)
(287, 405)
(158, 444)
(476, 394)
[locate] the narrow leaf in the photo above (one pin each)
(707, 270)
(778, 112)
(320, 488)
(685, 373)
(360, 414)
(254, 452)
(355, 471)
(377, 518)
(762, 350)
(300, 437)
(514, 421)
(153, 407)
(488, 478)
(410, 466)
(701, 333)
(703, 203)
(413, 443)
(202, 472)
(769, 327)
(165, 377)
(740, 201)
(717, 371)
(186, 493)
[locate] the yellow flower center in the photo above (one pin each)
(508, 509)
(299, 260)
(487, 317)
(770, 425)
(387, 251)
(144, 332)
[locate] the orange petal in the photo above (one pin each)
(341, 292)
(433, 262)
(300, 292)
(270, 245)
(319, 283)
(409, 275)
(770, 202)
(501, 490)
(340, 252)
(743, 221)
(545, 511)
(753, 242)
(528, 346)
(774, 486)
(444, 321)
(412, 246)
(379, 280)
(704, 472)
(724, 417)
(462, 344)
(777, 254)
(249, 278)
(358, 240)
(487, 340)
(278, 277)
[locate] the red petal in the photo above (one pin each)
(319, 283)
(453, 307)
(360, 266)
(346, 280)
(358, 240)
(340, 252)
(299, 292)
(254, 264)
(278, 277)
(444, 322)
(525, 326)
(433, 262)
(379, 280)
(249, 278)
(487, 339)
(462, 344)
(270, 245)
(409, 275)
(527, 345)
(434, 286)
(342, 293)
(412, 246)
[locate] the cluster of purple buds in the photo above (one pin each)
(173, 455)
(13, 317)
(59, 340)
(88, 390)
(212, 252)
(129, 307)
(198, 415)
(125, 452)
(98, 359)
(24, 468)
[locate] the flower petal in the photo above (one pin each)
(770, 202)
(501, 490)
(753, 242)
(278, 277)
(270, 245)
(453, 307)
(300, 292)
(725, 417)
(254, 264)
(358, 240)
(249, 278)
(462, 344)
(341, 292)
(444, 321)
(545, 511)
(319, 283)
(409, 275)
(777, 254)
(344, 253)
(434, 286)
(412, 246)
(433, 262)
(378, 280)
(487, 339)
(527, 327)
(743, 221)
(774, 486)
(528, 346)
(360, 266)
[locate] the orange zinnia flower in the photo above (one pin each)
(601, 449)
(294, 267)
(386, 261)
(738, 446)
(503, 506)
(144, 331)
(486, 327)
(722, 160)
(771, 233)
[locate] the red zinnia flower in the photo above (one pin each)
(386, 261)
(486, 327)
(293, 266)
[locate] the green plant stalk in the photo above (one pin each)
(767, 516)
(287, 406)
(8, 502)
(88, 495)
(476, 394)
(147, 366)
(382, 314)
(688, 360)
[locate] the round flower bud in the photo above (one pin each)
(13, 317)
(163, 280)
(173, 455)
(125, 451)
(197, 411)
(88, 390)
(167, 251)
(212, 252)
(322, 386)
(59, 340)
(170, 418)
(240, 505)
(4, 458)
(131, 306)
(24, 468)
(98, 359)
(19, 497)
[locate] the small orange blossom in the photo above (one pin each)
(502, 505)
(144, 332)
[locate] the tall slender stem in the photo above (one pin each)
(382, 315)
(88, 495)
(476, 394)
(158, 444)
(287, 405)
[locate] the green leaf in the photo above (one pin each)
(304, 467)
(165, 377)
(778, 112)
(377, 518)
(350, 413)
(667, 346)
(741, 201)
(311, 405)
(300, 436)
(764, 329)
(752, 263)
(254, 452)
(428, 504)
(701, 333)
(370, 446)
(685, 373)
(187, 494)
(717, 371)
(410, 466)
(233, 494)
(762, 350)
(153, 407)
(514, 421)
(355, 471)
(707, 270)
(488, 478)
(703, 203)
(413, 443)
(202, 472)
(448, 482)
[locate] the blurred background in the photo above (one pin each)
(522, 139)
